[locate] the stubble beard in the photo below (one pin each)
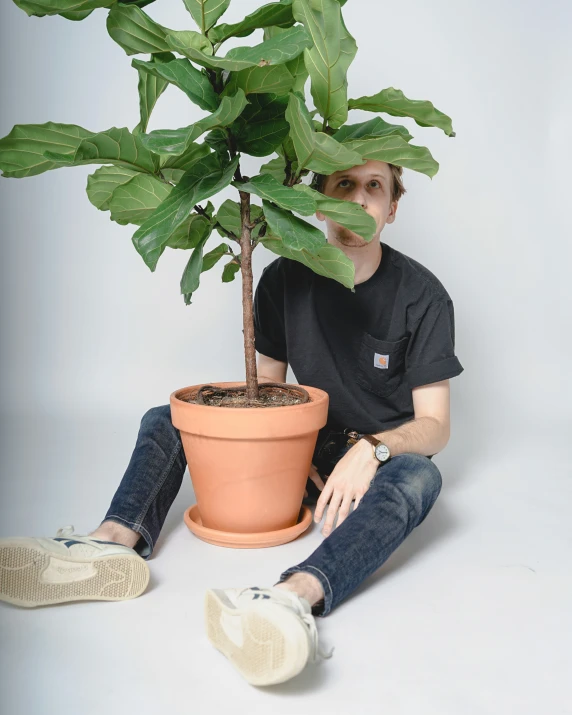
(349, 239)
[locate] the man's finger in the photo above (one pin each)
(317, 479)
(332, 511)
(321, 503)
(345, 508)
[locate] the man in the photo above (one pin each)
(384, 354)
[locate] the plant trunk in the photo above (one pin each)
(247, 300)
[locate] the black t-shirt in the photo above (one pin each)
(366, 349)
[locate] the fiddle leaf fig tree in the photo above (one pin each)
(254, 102)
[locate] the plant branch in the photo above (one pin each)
(164, 180)
(247, 298)
(229, 234)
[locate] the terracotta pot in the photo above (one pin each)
(249, 466)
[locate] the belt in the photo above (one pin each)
(353, 435)
(350, 436)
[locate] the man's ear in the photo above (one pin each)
(391, 215)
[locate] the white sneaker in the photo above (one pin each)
(37, 571)
(268, 634)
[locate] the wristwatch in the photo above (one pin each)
(380, 451)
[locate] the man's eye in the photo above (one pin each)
(373, 181)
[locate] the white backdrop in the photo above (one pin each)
(474, 608)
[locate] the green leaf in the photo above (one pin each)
(113, 146)
(276, 168)
(375, 127)
(275, 79)
(298, 70)
(272, 52)
(262, 126)
(276, 51)
(316, 150)
(135, 31)
(177, 141)
(192, 273)
(228, 216)
(183, 75)
(276, 13)
(217, 140)
(70, 9)
(206, 177)
(394, 150)
(267, 187)
(346, 213)
(174, 167)
(287, 150)
(150, 87)
(229, 271)
(394, 102)
(329, 57)
(103, 182)
(212, 257)
(135, 200)
(76, 16)
(190, 232)
(327, 260)
(294, 232)
(206, 12)
(22, 150)
(76, 9)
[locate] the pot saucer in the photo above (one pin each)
(235, 540)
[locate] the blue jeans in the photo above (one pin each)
(399, 498)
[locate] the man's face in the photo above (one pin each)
(367, 184)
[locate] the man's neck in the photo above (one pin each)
(366, 259)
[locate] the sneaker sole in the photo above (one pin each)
(267, 645)
(115, 577)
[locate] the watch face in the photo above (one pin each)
(382, 452)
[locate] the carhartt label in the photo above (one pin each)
(381, 361)
(60, 571)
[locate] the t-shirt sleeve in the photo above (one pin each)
(430, 355)
(269, 326)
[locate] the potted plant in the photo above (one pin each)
(248, 446)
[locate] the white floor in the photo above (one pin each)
(471, 615)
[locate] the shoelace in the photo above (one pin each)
(65, 531)
(317, 652)
(308, 619)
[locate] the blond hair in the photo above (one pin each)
(397, 188)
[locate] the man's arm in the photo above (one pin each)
(271, 370)
(429, 432)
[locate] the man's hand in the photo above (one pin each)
(315, 477)
(350, 480)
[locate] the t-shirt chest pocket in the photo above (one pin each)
(381, 364)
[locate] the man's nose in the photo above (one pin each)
(360, 198)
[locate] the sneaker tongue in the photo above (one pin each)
(288, 598)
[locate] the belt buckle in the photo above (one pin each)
(353, 436)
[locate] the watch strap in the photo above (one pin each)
(371, 439)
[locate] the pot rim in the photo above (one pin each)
(317, 396)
